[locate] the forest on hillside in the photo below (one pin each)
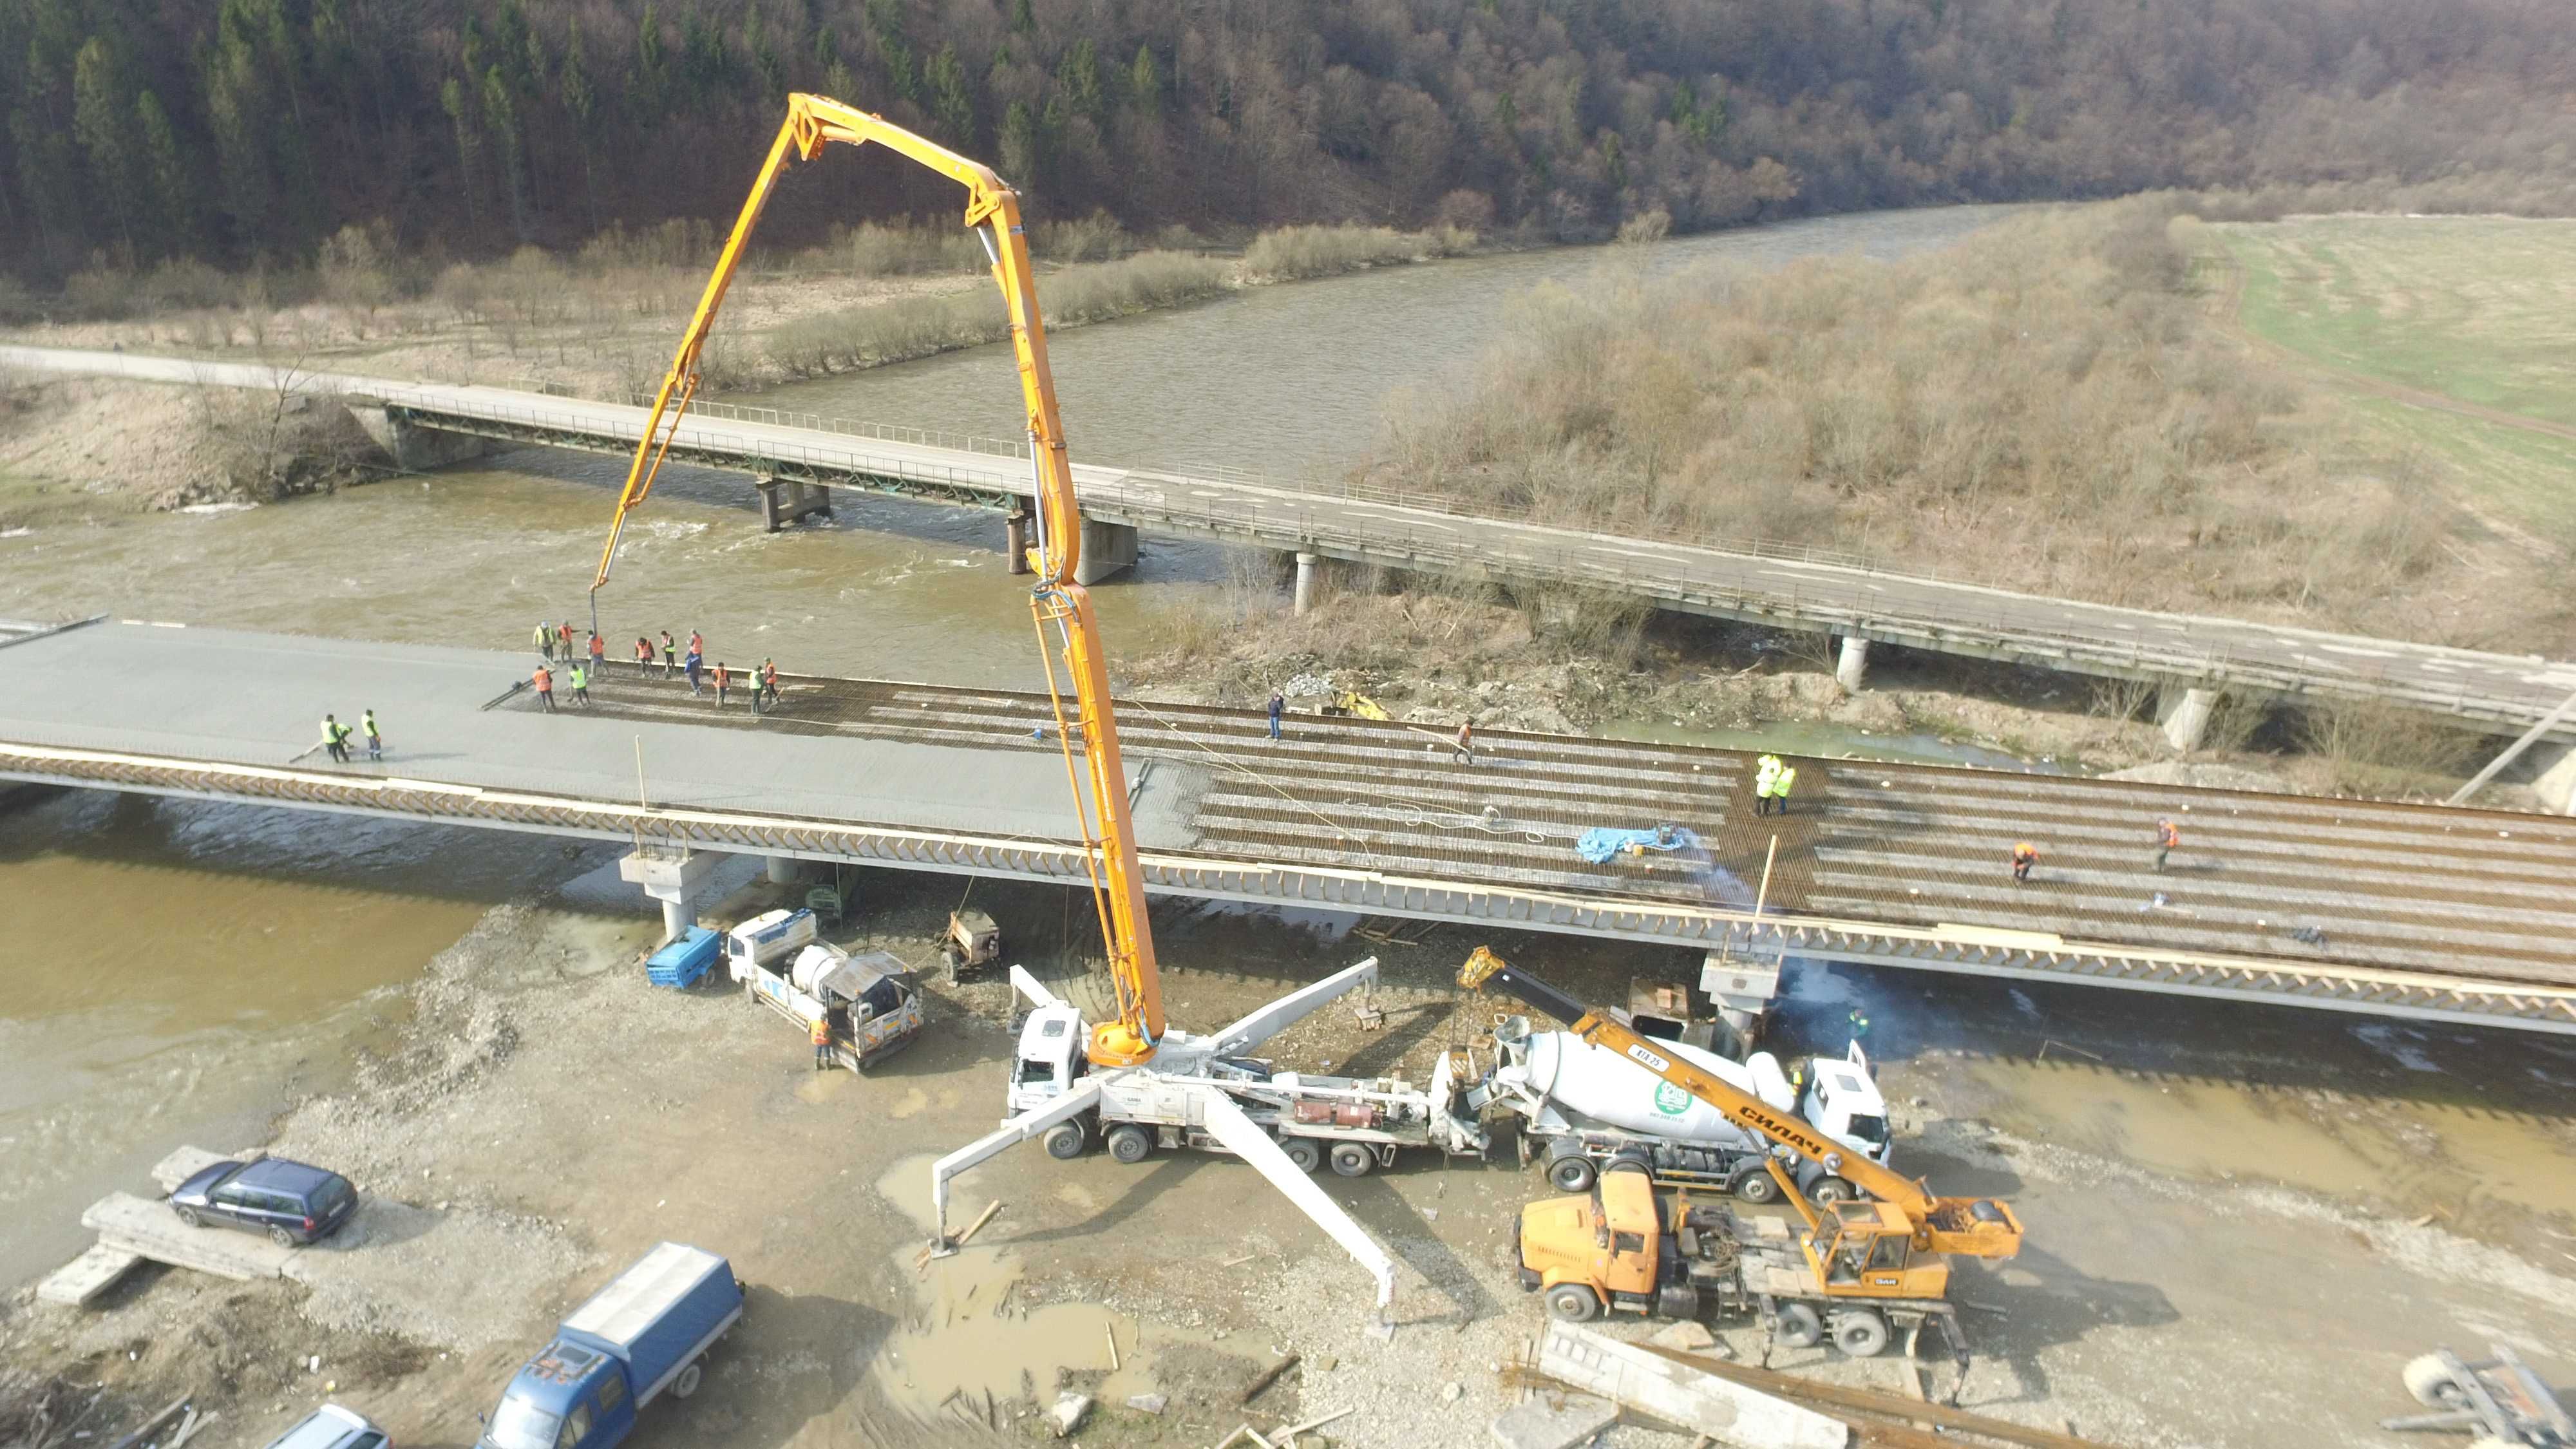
(246, 131)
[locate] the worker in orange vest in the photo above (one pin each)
(2025, 855)
(724, 677)
(544, 679)
(822, 1035)
(2167, 837)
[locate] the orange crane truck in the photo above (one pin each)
(1858, 1269)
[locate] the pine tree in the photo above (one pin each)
(1145, 83)
(1019, 144)
(170, 197)
(1079, 76)
(237, 105)
(1024, 20)
(950, 101)
(501, 117)
(101, 110)
(468, 121)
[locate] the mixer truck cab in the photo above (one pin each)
(1050, 1059)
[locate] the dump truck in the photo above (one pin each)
(640, 1337)
(870, 1003)
(1350, 1124)
(1580, 1104)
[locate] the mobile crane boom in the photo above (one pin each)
(1061, 604)
(1977, 1227)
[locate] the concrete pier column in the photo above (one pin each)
(1851, 666)
(785, 500)
(1015, 539)
(2556, 780)
(670, 874)
(1310, 569)
(2185, 715)
(782, 870)
(1107, 548)
(1743, 989)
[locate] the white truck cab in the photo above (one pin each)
(1050, 1058)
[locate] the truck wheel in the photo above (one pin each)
(1065, 1141)
(1860, 1333)
(1797, 1326)
(1130, 1143)
(686, 1384)
(1304, 1152)
(1350, 1159)
(1572, 1303)
(2429, 1380)
(1828, 1190)
(1571, 1174)
(1757, 1187)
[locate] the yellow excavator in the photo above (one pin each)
(1859, 1264)
(1061, 605)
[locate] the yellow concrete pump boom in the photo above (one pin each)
(1059, 602)
(1975, 1227)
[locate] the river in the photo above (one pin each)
(177, 970)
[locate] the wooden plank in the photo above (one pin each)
(87, 1276)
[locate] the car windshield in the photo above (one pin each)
(520, 1424)
(1872, 1130)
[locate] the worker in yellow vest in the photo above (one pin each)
(1780, 784)
(1766, 773)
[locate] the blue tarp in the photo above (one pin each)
(1598, 845)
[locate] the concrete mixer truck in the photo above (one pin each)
(1581, 1104)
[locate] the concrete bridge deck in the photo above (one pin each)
(1796, 589)
(2402, 910)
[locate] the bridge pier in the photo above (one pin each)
(413, 448)
(671, 876)
(785, 500)
(1743, 991)
(2185, 715)
(1310, 582)
(1851, 665)
(1015, 539)
(780, 869)
(2556, 781)
(1107, 548)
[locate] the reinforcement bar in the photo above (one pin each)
(1977, 951)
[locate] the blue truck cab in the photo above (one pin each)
(637, 1338)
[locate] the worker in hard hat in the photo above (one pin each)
(2024, 856)
(1766, 772)
(1780, 784)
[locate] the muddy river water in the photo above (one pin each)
(175, 970)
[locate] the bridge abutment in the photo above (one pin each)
(2184, 713)
(1015, 539)
(671, 876)
(785, 500)
(1851, 664)
(1743, 991)
(1107, 548)
(413, 448)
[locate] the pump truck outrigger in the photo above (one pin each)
(1137, 1041)
(1859, 1267)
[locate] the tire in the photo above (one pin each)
(686, 1384)
(1130, 1143)
(1571, 1174)
(1350, 1159)
(1828, 1190)
(1573, 1303)
(1860, 1333)
(188, 1218)
(1303, 1151)
(1796, 1325)
(281, 1237)
(1757, 1187)
(1065, 1141)
(2429, 1380)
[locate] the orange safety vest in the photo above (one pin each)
(822, 1031)
(2166, 832)
(545, 680)
(2025, 851)
(723, 676)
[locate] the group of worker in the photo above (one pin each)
(2168, 835)
(335, 737)
(1772, 779)
(583, 663)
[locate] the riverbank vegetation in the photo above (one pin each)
(246, 133)
(2054, 405)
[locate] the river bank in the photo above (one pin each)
(535, 1115)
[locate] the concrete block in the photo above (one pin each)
(1538, 1424)
(1685, 1397)
(2555, 776)
(87, 1276)
(1685, 1336)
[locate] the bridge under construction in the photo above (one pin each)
(2394, 909)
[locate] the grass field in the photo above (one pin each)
(2404, 315)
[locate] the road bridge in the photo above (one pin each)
(2191, 656)
(2398, 910)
